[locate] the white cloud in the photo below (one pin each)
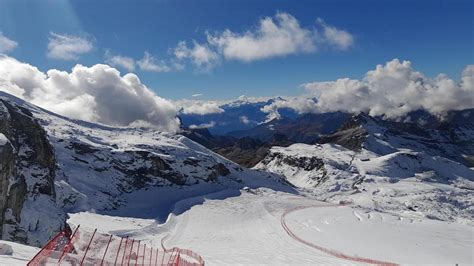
(199, 107)
(67, 47)
(125, 62)
(300, 105)
(393, 90)
(205, 125)
(6, 45)
(278, 36)
(204, 107)
(197, 95)
(149, 63)
(97, 93)
(339, 38)
(200, 54)
(244, 119)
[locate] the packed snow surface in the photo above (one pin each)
(244, 227)
(20, 256)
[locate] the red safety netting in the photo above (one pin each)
(83, 247)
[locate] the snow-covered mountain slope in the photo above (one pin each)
(397, 172)
(52, 165)
(452, 137)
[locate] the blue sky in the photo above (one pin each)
(436, 36)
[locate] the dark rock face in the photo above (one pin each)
(218, 170)
(350, 135)
(302, 162)
(7, 169)
(350, 138)
(245, 151)
(81, 148)
(153, 166)
(312, 164)
(27, 168)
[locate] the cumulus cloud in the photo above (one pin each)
(200, 54)
(244, 119)
(149, 63)
(339, 38)
(278, 36)
(6, 45)
(199, 107)
(97, 93)
(204, 125)
(125, 62)
(67, 47)
(394, 89)
(300, 105)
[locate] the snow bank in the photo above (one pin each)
(18, 255)
(6, 249)
(3, 140)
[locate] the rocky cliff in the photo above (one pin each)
(27, 173)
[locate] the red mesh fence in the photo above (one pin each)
(83, 247)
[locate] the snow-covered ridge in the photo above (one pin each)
(90, 167)
(391, 170)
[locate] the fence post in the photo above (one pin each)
(178, 257)
(118, 251)
(138, 253)
(156, 257)
(88, 246)
(173, 255)
(124, 250)
(151, 254)
(163, 259)
(170, 259)
(103, 257)
(130, 253)
(67, 245)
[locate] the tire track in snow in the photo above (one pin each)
(328, 251)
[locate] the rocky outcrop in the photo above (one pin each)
(27, 171)
(350, 135)
(218, 170)
(302, 162)
(450, 137)
(299, 169)
(7, 170)
(151, 167)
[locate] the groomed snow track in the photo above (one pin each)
(83, 247)
(328, 251)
